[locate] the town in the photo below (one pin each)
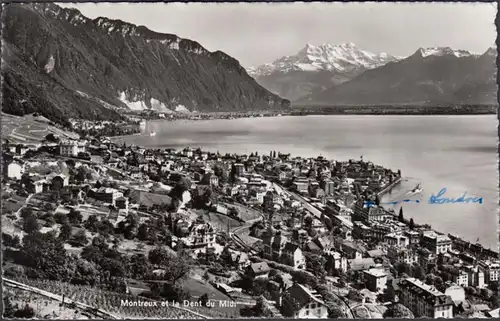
(93, 222)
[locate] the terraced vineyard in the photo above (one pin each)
(112, 302)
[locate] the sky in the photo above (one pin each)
(258, 33)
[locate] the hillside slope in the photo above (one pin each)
(62, 64)
(429, 76)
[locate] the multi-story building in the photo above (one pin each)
(338, 261)
(413, 236)
(202, 235)
(397, 240)
(436, 243)
(425, 300)
(475, 276)
(301, 187)
(491, 270)
(328, 186)
(292, 255)
(425, 257)
(379, 230)
(278, 248)
(268, 202)
(106, 194)
(372, 213)
(239, 169)
(460, 278)
(375, 280)
(300, 302)
(71, 148)
(402, 255)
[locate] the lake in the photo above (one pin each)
(458, 153)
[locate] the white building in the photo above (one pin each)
(461, 278)
(15, 170)
(436, 243)
(491, 270)
(425, 300)
(71, 148)
(375, 280)
(300, 302)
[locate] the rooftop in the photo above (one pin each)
(376, 272)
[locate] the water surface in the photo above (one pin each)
(455, 152)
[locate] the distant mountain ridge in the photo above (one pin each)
(429, 76)
(64, 65)
(315, 68)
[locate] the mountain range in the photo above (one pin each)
(432, 76)
(64, 65)
(316, 68)
(346, 75)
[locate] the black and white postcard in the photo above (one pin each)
(249, 160)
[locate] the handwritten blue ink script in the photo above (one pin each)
(439, 199)
(372, 203)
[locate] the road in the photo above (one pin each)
(311, 209)
(235, 232)
(26, 202)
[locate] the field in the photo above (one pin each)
(221, 222)
(149, 199)
(45, 308)
(29, 129)
(112, 302)
(245, 213)
(198, 287)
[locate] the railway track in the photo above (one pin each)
(81, 306)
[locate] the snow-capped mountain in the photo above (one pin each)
(443, 51)
(315, 68)
(340, 58)
(439, 76)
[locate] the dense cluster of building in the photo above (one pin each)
(312, 210)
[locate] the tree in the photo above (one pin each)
(204, 300)
(92, 223)
(8, 308)
(74, 216)
(143, 232)
(225, 256)
(31, 224)
(177, 268)
(49, 220)
(377, 200)
(46, 254)
(398, 311)
(139, 266)
(158, 256)
(401, 216)
(81, 238)
(412, 224)
(233, 212)
(27, 312)
(182, 186)
(51, 138)
(418, 272)
(65, 232)
(495, 301)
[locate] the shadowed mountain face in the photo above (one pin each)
(64, 65)
(438, 76)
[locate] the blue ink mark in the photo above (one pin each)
(435, 199)
(372, 203)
